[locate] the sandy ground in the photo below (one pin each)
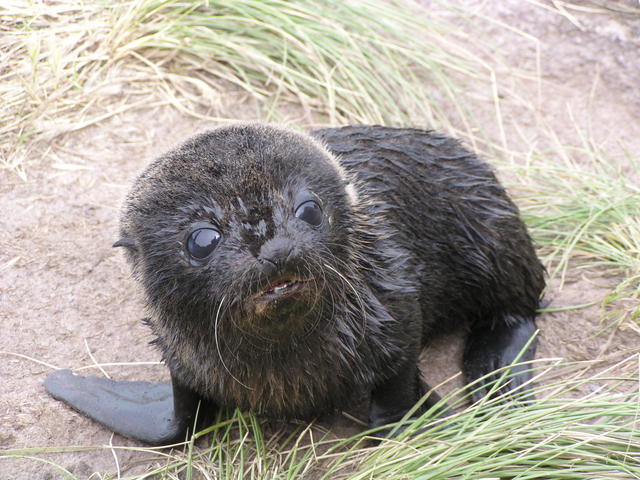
(66, 299)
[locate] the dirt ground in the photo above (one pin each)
(66, 298)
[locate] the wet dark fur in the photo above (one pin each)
(430, 242)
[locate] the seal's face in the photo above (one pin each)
(244, 229)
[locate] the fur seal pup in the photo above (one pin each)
(288, 273)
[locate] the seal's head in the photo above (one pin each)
(243, 228)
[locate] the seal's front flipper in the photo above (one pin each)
(490, 348)
(155, 413)
(391, 400)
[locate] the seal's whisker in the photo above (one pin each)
(215, 331)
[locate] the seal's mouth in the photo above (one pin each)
(280, 288)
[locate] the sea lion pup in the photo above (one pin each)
(287, 274)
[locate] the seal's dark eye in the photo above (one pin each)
(310, 212)
(202, 242)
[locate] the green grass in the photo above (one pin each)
(73, 64)
(583, 210)
(558, 436)
(352, 61)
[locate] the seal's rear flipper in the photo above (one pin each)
(490, 348)
(154, 413)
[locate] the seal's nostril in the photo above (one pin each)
(268, 266)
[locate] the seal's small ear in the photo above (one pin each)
(125, 242)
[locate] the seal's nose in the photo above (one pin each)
(275, 254)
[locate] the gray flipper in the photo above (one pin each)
(392, 399)
(155, 413)
(490, 348)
